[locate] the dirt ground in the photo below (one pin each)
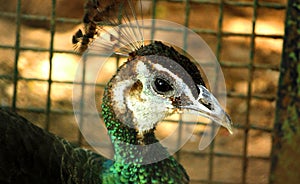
(34, 65)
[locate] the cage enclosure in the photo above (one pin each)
(38, 65)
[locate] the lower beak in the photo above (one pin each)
(207, 105)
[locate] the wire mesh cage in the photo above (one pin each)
(38, 65)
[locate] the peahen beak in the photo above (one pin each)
(207, 105)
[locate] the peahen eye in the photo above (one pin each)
(162, 86)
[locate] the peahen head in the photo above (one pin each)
(155, 82)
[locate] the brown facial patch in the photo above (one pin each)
(136, 90)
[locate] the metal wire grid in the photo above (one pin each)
(212, 154)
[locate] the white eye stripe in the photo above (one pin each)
(161, 68)
(142, 69)
(118, 91)
(181, 87)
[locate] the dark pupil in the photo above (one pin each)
(162, 85)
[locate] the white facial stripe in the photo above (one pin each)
(121, 84)
(178, 80)
(195, 102)
(118, 91)
(142, 70)
(161, 68)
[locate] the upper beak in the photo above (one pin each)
(207, 105)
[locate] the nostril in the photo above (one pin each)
(206, 103)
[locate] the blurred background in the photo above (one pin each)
(38, 64)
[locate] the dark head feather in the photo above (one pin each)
(160, 49)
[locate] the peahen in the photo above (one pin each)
(155, 82)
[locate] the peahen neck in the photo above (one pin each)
(131, 153)
(138, 155)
